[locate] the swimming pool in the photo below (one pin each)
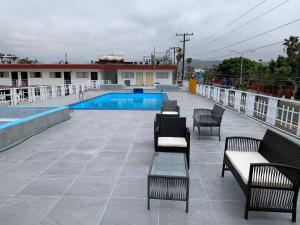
(123, 101)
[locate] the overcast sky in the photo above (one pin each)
(46, 29)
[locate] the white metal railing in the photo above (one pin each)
(281, 113)
(14, 96)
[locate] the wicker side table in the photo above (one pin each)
(168, 178)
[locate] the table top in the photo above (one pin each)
(169, 164)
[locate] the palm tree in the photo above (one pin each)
(189, 68)
(292, 47)
(178, 58)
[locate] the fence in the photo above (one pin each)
(277, 112)
(14, 96)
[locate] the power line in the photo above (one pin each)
(236, 19)
(253, 37)
(249, 50)
(187, 16)
(250, 21)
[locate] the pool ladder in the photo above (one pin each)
(83, 95)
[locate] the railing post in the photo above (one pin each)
(226, 94)
(250, 101)
(42, 93)
(62, 90)
(215, 97)
(237, 100)
(272, 110)
(54, 91)
(77, 88)
(298, 127)
(13, 96)
(70, 89)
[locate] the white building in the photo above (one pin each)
(58, 74)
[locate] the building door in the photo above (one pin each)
(94, 76)
(24, 79)
(139, 79)
(14, 79)
(67, 77)
(149, 78)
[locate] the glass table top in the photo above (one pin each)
(169, 164)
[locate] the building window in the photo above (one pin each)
(82, 74)
(55, 74)
(127, 74)
(162, 75)
(35, 75)
(4, 74)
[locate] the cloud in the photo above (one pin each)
(84, 29)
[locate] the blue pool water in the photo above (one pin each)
(144, 101)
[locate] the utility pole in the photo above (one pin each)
(183, 49)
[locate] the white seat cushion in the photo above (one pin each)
(172, 142)
(169, 113)
(241, 162)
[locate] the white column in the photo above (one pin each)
(77, 88)
(237, 100)
(250, 101)
(272, 110)
(42, 93)
(218, 95)
(226, 94)
(62, 90)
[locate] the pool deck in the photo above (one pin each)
(92, 170)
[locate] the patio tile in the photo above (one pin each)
(107, 168)
(233, 213)
(25, 210)
(210, 171)
(76, 211)
(11, 184)
(48, 186)
(45, 156)
(92, 186)
(65, 168)
(197, 158)
(223, 189)
(131, 187)
(110, 156)
(29, 168)
(135, 170)
(79, 156)
(15, 154)
(172, 212)
(130, 211)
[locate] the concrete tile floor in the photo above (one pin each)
(92, 170)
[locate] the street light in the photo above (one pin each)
(242, 63)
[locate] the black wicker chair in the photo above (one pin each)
(273, 181)
(208, 121)
(170, 108)
(172, 135)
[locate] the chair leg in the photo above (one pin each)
(223, 169)
(294, 215)
(219, 134)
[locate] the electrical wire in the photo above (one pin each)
(253, 37)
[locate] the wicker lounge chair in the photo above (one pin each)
(208, 121)
(170, 108)
(267, 171)
(172, 135)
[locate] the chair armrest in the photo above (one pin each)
(273, 175)
(242, 144)
(187, 135)
(202, 111)
(178, 109)
(205, 118)
(156, 135)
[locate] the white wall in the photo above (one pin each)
(133, 80)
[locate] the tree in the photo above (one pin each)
(179, 56)
(210, 74)
(26, 60)
(190, 69)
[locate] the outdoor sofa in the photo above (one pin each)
(267, 170)
(172, 135)
(208, 121)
